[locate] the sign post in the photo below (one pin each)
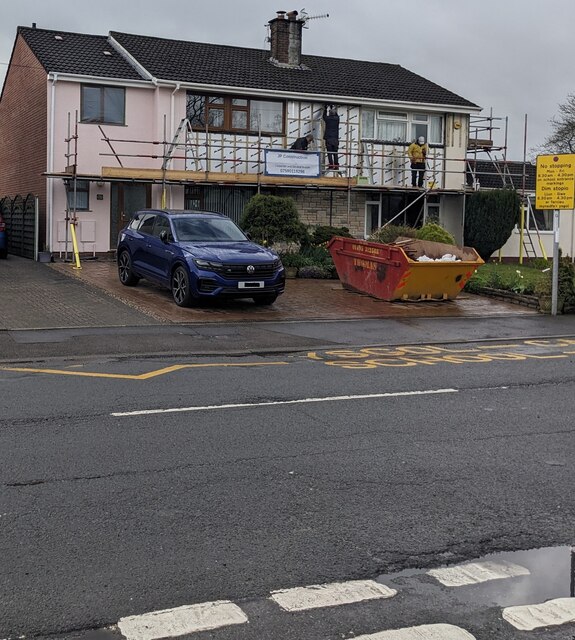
(555, 189)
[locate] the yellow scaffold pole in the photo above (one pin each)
(75, 244)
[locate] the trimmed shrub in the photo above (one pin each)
(388, 234)
(567, 280)
(317, 254)
(435, 233)
(314, 271)
(294, 259)
(324, 233)
(271, 219)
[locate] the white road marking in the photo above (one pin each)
(476, 572)
(182, 620)
(212, 407)
(329, 595)
(423, 632)
(536, 616)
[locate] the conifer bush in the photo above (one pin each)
(490, 217)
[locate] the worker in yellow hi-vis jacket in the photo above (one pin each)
(417, 152)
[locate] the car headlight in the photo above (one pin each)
(207, 264)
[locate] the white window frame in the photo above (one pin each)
(416, 124)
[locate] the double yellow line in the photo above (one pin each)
(141, 376)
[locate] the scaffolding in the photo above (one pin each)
(482, 131)
(200, 157)
(71, 219)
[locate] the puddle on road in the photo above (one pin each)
(551, 575)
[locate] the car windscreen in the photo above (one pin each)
(207, 230)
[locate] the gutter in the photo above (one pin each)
(120, 82)
(317, 97)
(172, 108)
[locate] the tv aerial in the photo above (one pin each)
(306, 18)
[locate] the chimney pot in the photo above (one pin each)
(292, 15)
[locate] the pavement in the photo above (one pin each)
(54, 310)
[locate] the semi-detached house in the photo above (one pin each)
(100, 126)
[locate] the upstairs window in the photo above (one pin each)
(401, 127)
(102, 105)
(237, 115)
(428, 126)
(391, 126)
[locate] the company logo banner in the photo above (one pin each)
(290, 163)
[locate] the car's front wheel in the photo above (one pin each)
(265, 299)
(181, 287)
(125, 273)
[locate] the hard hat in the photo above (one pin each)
(421, 140)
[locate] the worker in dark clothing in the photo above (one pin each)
(302, 143)
(331, 135)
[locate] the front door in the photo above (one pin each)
(127, 198)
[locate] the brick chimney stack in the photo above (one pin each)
(285, 36)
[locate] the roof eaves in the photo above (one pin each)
(77, 77)
(321, 97)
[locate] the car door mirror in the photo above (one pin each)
(164, 237)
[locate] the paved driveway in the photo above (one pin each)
(303, 300)
(34, 295)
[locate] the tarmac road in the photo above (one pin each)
(451, 438)
(130, 487)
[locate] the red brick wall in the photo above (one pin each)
(23, 129)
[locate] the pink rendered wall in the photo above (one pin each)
(146, 112)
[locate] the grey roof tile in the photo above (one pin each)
(203, 63)
(77, 53)
(496, 174)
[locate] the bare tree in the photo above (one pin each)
(562, 137)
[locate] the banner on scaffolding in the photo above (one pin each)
(297, 164)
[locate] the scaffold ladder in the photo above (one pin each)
(184, 127)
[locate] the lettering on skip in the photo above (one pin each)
(360, 248)
(365, 264)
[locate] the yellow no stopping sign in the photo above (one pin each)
(555, 185)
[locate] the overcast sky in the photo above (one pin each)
(511, 57)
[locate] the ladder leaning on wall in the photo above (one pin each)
(185, 128)
(528, 245)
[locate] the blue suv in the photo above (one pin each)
(197, 255)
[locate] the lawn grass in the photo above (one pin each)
(506, 276)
